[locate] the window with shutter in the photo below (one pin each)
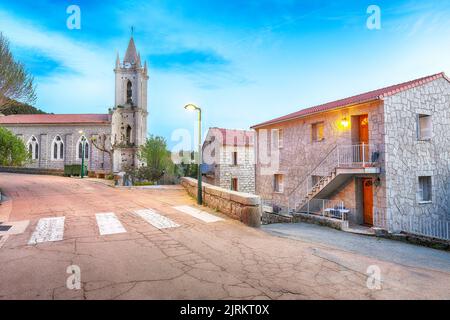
(317, 132)
(424, 127)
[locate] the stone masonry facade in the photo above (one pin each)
(408, 157)
(46, 134)
(299, 155)
(393, 124)
(219, 152)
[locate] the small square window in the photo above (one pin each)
(317, 131)
(278, 183)
(424, 189)
(424, 127)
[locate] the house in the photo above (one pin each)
(228, 158)
(380, 158)
(56, 140)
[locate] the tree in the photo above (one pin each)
(101, 143)
(13, 151)
(157, 158)
(15, 81)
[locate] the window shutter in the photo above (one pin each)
(274, 139)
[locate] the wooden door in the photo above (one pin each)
(364, 138)
(234, 184)
(368, 201)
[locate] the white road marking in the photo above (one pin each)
(109, 224)
(3, 240)
(48, 229)
(196, 213)
(155, 219)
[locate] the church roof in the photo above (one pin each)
(360, 98)
(131, 55)
(56, 119)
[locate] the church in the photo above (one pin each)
(110, 140)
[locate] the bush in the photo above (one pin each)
(144, 183)
(74, 170)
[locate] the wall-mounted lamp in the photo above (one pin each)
(377, 182)
(344, 123)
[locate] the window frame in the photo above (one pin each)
(86, 148)
(424, 189)
(278, 183)
(34, 145)
(315, 131)
(60, 152)
(420, 130)
(234, 158)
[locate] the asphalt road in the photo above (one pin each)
(139, 244)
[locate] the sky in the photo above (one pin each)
(242, 62)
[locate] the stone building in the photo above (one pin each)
(55, 140)
(228, 156)
(382, 157)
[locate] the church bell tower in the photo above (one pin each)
(129, 115)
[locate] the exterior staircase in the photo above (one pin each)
(339, 165)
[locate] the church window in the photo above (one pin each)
(33, 148)
(129, 92)
(80, 148)
(128, 135)
(58, 148)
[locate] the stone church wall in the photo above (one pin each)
(69, 134)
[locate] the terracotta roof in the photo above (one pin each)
(360, 98)
(55, 118)
(234, 137)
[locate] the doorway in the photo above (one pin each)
(234, 184)
(360, 138)
(367, 201)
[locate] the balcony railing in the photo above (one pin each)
(326, 208)
(422, 226)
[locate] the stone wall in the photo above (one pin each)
(407, 157)
(244, 171)
(70, 136)
(237, 205)
(299, 155)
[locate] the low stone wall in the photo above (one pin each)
(244, 207)
(24, 170)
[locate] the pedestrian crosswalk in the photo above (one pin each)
(155, 219)
(199, 214)
(48, 230)
(108, 223)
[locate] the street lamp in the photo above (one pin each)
(83, 147)
(193, 107)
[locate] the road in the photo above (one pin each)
(180, 255)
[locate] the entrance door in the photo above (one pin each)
(364, 138)
(368, 201)
(234, 184)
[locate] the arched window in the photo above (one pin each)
(128, 134)
(58, 149)
(129, 92)
(33, 148)
(80, 148)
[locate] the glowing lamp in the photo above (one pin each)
(344, 123)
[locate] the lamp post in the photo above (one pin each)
(193, 107)
(83, 147)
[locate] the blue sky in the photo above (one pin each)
(243, 62)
